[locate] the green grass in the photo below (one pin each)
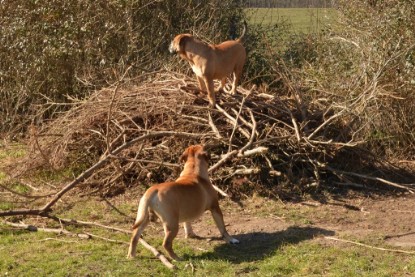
(293, 251)
(300, 19)
(13, 150)
(43, 254)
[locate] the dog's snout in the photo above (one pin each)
(172, 50)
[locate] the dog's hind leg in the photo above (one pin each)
(236, 77)
(222, 85)
(218, 217)
(170, 232)
(136, 236)
(188, 230)
(211, 92)
(201, 82)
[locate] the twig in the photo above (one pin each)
(87, 173)
(24, 195)
(213, 126)
(162, 258)
(32, 228)
(145, 161)
(224, 159)
(232, 121)
(88, 223)
(22, 212)
(369, 246)
(236, 123)
(247, 171)
(107, 239)
(251, 139)
(324, 124)
(401, 186)
(256, 151)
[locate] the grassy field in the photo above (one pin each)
(297, 250)
(300, 19)
(277, 239)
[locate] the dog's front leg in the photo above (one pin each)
(218, 217)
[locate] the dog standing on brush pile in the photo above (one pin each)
(211, 62)
(184, 200)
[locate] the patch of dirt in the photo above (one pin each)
(391, 219)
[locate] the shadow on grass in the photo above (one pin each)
(255, 246)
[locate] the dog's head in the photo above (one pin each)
(195, 152)
(178, 43)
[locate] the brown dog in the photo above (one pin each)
(211, 62)
(184, 200)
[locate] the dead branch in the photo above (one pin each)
(224, 159)
(232, 121)
(104, 160)
(401, 186)
(370, 246)
(32, 228)
(251, 139)
(87, 223)
(263, 129)
(23, 195)
(256, 151)
(22, 212)
(87, 173)
(160, 256)
(246, 171)
(213, 126)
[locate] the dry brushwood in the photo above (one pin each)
(131, 134)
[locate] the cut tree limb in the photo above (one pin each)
(87, 173)
(369, 246)
(401, 186)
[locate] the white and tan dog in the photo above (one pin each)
(212, 62)
(184, 200)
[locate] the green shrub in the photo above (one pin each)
(53, 49)
(365, 68)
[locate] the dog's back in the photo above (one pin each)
(189, 198)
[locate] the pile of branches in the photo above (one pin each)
(129, 135)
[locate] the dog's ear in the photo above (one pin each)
(183, 157)
(182, 41)
(205, 155)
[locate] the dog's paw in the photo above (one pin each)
(212, 105)
(192, 236)
(234, 241)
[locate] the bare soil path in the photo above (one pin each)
(388, 219)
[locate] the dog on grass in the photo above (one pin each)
(212, 62)
(181, 201)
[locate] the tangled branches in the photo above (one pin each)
(258, 141)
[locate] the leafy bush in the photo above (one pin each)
(52, 49)
(363, 68)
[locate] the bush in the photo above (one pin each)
(364, 68)
(51, 50)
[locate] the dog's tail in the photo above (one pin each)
(240, 39)
(143, 212)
